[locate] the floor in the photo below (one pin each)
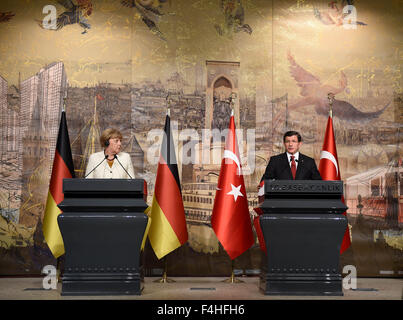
(201, 288)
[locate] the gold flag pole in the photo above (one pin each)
(232, 279)
(164, 278)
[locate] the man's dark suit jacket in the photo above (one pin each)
(279, 168)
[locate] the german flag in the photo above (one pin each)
(168, 224)
(62, 168)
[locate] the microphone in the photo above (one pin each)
(116, 157)
(106, 156)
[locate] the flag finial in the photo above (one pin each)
(232, 100)
(64, 105)
(64, 100)
(330, 97)
(168, 100)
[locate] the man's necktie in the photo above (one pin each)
(293, 167)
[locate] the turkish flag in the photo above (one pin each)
(259, 232)
(230, 218)
(330, 170)
(256, 219)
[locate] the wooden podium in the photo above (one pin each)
(303, 227)
(102, 225)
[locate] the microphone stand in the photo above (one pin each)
(106, 156)
(116, 157)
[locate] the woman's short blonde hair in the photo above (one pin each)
(107, 134)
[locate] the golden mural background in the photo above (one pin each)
(121, 63)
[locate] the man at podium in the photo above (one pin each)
(300, 225)
(110, 163)
(291, 165)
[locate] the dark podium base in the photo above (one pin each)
(75, 284)
(297, 285)
(102, 253)
(302, 254)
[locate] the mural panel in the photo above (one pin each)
(123, 63)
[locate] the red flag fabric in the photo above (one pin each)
(260, 193)
(259, 233)
(256, 219)
(230, 218)
(329, 169)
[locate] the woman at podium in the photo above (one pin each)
(110, 163)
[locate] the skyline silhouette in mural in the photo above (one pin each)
(316, 93)
(74, 14)
(335, 15)
(234, 16)
(150, 14)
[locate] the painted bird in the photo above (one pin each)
(75, 13)
(149, 13)
(234, 16)
(315, 93)
(6, 16)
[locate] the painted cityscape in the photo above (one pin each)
(274, 62)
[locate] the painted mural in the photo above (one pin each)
(124, 63)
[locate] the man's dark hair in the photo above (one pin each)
(292, 133)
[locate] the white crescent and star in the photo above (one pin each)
(327, 155)
(230, 155)
(236, 192)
